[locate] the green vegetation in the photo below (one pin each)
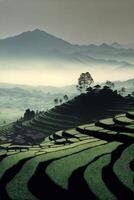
(84, 82)
(122, 167)
(122, 119)
(61, 170)
(93, 176)
(74, 160)
(19, 183)
(83, 109)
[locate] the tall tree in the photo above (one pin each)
(84, 81)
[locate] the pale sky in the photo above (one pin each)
(77, 21)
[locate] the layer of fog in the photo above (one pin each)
(58, 73)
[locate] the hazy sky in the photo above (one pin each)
(77, 21)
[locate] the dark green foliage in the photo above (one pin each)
(84, 81)
(89, 89)
(97, 86)
(56, 101)
(66, 97)
(29, 114)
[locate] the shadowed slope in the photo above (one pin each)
(80, 110)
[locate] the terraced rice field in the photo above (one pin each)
(80, 110)
(5, 132)
(92, 161)
(34, 131)
(42, 125)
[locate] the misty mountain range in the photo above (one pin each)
(39, 44)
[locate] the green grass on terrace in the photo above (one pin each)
(108, 121)
(60, 170)
(93, 177)
(123, 119)
(122, 167)
(19, 182)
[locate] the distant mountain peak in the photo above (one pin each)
(113, 45)
(41, 44)
(37, 30)
(32, 34)
(105, 46)
(116, 45)
(92, 45)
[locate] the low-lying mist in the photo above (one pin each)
(57, 73)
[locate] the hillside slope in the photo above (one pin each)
(94, 160)
(82, 109)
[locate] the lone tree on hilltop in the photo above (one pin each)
(84, 81)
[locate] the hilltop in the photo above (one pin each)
(15, 99)
(85, 108)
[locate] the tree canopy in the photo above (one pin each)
(84, 81)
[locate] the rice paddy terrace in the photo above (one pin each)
(92, 161)
(86, 108)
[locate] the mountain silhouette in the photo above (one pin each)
(40, 44)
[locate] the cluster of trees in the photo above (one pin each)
(85, 81)
(111, 85)
(29, 114)
(84, 85)
(60, 101)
